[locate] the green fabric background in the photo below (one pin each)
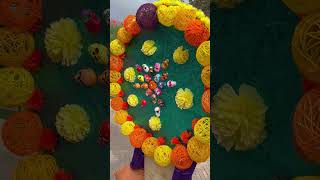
(252, 45)
(174, 121)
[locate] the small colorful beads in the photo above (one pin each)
(153, 85)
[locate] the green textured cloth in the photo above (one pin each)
(173, 120)
(252, 45)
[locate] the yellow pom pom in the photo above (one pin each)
(72, 123)
(149, 145)
(198, 151)
(15, 48)
(180, 56)
(99, 53)
(206, 22)
(133, 100)
(184, 98)
(149, 48)
(63, 42)
(123, 35)
(127, 128)
(205, 76)
(115, 89)
(117, 48)
(183, 16)
(115, 76)
(129, 74)
(203, 53)
(202, 130)
(166, 14)
(155, 123)
(162, 155)
(120, 117)
(37, 166)
(16, 86)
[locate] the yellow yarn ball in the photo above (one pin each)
(115, 89)
(162, 155)
(202, 130)
(123, 35)
(198, 151)
(72, 123)
(149, 47)
(117, 48)
(184, 98)
(129, 74)
(166, 14)
(127, 128)
(180, 56)
(203, 53)
(182, 18)
(114, 76)
(155, 123)
(133, 100)
(35, 167)
(17, 85)
(120, 117)
(149, 145)
(205, 76)
(63, 42)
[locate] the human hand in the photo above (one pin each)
(125, 173)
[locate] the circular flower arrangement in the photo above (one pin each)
(145, 108)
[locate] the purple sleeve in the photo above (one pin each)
(184, 174)
(137, 161)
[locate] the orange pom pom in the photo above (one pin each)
(180, 157)
(131, 25)
(196, 33)
(137, 137)
(205, 101)
(117, 103)
(116, 63)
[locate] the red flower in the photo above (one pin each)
(122, 56)
(62, 175)
(120, 81)
(161, 140)
(129, 118)
(33, 62)
(136, 126)
(93, 24)
(149, 135)
(36, 101)
(48, 140)
(125, 106)
(121, 93)
(185, 135)
(194, 122)
(308, 85)
(175, 141)
(105, 132)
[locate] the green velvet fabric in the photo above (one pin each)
(174, 120)
(252, 45)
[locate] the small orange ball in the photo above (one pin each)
(180, 157)
(116, 103)
(196, 32)
(137, 137)
(205, 101)
(131, 25)
(152, 85)
(116, 63)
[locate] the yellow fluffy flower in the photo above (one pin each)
(149, 48)
(132, 100)
(117, 48)
(155, 123)
(129, 74)
(127, 128)
(115, 89)
(180, 56)
(184, 98)
(239, 120)
(166, 14)
(63, 42)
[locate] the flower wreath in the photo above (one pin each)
(193, 146)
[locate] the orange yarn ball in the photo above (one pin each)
(116, 63)
(306, 125)
(123, 35)
(22, 15)
(180, 157)
(205, 76)
(117, 103)
(131, 25)
(137, 137)
(196, 32)
(205, 101)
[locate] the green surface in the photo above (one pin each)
(86, 160)
(174, 121)
(252, 45)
